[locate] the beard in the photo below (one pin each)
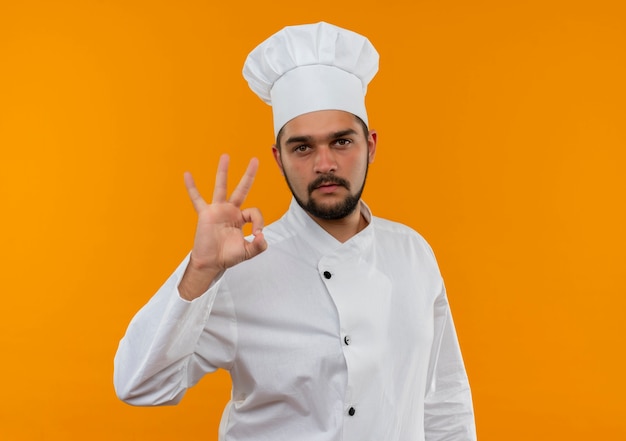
(335, 211)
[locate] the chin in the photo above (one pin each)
(332, 211)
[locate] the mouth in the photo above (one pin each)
(328, 184)
(327, 187)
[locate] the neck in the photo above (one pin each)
(345, 228)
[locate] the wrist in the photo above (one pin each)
(196, 280)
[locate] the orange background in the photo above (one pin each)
(501, 139)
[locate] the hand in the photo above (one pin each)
(219, 242)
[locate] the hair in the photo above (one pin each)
(366, 131)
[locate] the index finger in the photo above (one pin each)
(242, 189)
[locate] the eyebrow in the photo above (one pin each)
(309, 138)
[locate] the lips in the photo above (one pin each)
(328, 184)
(328, 188)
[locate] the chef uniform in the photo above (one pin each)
(324, 340)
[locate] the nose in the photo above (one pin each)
(325, 161)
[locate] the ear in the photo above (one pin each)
(276, 154)
(372, 139)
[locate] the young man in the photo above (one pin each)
(333, 324)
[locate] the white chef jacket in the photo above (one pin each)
(324, 341)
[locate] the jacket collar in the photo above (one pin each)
(320, 239)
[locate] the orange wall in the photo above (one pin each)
(501, 139)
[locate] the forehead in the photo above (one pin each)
(320, 123)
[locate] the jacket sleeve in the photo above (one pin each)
(170, 344)
(448, 410)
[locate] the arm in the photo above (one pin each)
(157, 359)
(448, 410)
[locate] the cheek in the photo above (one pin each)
(361, 168)
(295, 170)
(294, 176)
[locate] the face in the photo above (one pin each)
(324, 157)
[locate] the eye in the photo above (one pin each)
(342, 142)
(301, 148)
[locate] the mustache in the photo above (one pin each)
(328, 179)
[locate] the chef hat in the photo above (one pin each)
(305, 68)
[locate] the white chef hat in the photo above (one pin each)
(306, 68)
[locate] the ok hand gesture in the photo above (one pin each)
(219, 242)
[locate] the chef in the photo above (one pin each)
(333, 323)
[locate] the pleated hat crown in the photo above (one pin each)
(306, 68)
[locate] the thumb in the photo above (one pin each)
(257, 246)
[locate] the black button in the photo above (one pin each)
(351, 411)
(327, 274)
(347, 340)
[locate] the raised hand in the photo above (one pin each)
(219, 242)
